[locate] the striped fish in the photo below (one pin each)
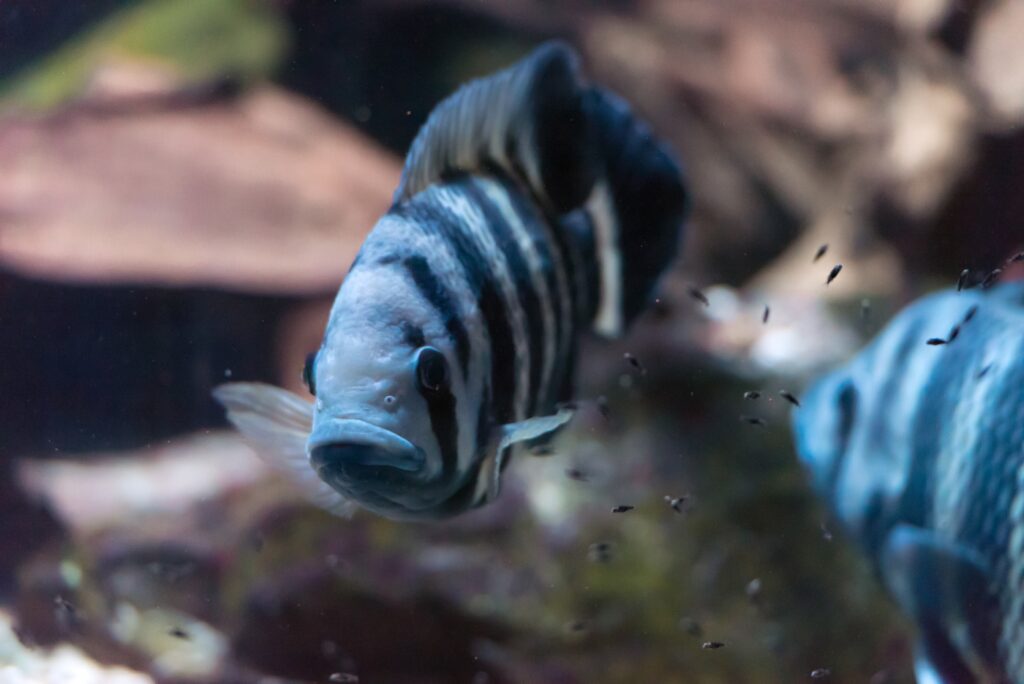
(533, 208)
(919, 448)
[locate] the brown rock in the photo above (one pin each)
(287, 618)
(140, 183)
(28, 523)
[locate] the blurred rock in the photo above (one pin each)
(159, 482)
(286, 621)
(789, 114)
(927, 146)
(22, 665)
(975, 226)
(177, 644)
(139, 183)
(47, 604)
(996, 61)
(159, 574)
(28, 524)
(134, 199)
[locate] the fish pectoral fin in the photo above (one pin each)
(945, 587)
(534, 428)
(489, 480)
(936, 660)
(504, 437)
(276, 423)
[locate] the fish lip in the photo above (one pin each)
(384, 447)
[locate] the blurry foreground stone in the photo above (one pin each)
(28, 524)
(62, 665)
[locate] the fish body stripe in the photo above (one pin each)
(555, 250)
(496, 348)
(917, 403)
(470, 231)
(547, 256)
(413, 336)
(940, 381)
(523, 270)
(955, 461)
(609, 319)
(445, 425)
(994, 519)
(439, 296)
(576, 288)
(531, 233)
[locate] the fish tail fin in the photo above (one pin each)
(527, 120)
(636, 208)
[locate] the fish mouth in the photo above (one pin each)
(350, 456)
(359, 450)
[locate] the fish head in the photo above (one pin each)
(871, 431)
(385, 429)
(823, 427)
(853, 480)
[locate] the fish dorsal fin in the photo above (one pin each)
(527, 120)
(502, 441)
(276, 424)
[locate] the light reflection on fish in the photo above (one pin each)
(920, 451)
(532, 208)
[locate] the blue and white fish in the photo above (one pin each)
(918, 445)
(533, 207)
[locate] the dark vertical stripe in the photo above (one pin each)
(581, 274)
(878, 431)
(464, 497)
(929, 422)
(413, 335)
(581, 250)
(557, 253)
(892, 377)
(435, 292)
(522, 278)
(483, 423)
(431, 218)
(445, 425)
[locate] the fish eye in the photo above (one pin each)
(308, 373)
(432, 370)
